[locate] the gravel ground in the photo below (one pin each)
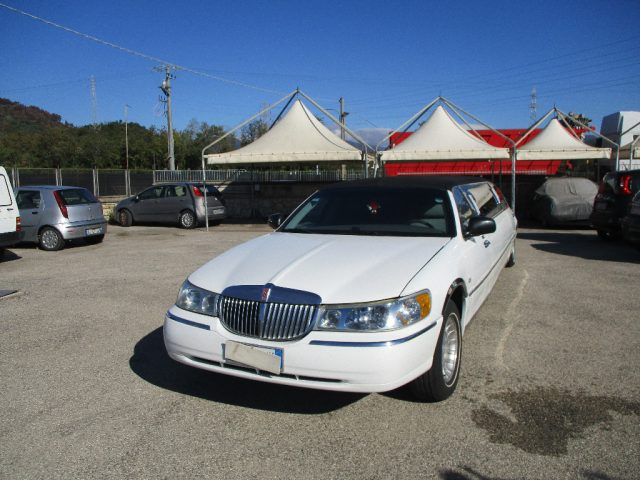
(549, 387)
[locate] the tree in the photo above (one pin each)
(253, 131)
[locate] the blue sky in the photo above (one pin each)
(388, 59)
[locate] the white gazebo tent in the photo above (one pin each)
(556, 143)
(297, 137)
(443, 138)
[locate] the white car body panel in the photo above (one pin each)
(338, 268)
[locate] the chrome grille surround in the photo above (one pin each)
(268, 312)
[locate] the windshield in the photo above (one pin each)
(374, 210)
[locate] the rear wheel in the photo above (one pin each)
(50, 239)
(187, 219)
(440, 381)
(125, 218)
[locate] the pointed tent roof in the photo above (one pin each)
(442, 138)
(555, 142)
(297, 137)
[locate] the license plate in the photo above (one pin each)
(218, 211)
(266, 359)
(93, 231)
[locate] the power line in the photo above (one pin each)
(135, 52)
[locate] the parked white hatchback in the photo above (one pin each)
(365, 287)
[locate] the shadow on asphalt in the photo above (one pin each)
(472, 474)
(151, 363)
(581, 245)
(9, 256)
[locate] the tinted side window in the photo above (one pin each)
(465, 209)
(154, 192)
(485, 199)
(175, 191)
(28, 199)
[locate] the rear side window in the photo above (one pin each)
(28, 199)
(176, 191)
(77, 196)
(5, 195)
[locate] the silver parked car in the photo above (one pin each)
(181, 203)
(53, 214)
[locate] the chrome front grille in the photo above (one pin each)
(267, 321)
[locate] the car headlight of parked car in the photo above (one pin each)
(197, 300)
(378, 316)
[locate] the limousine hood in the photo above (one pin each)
(338, 268)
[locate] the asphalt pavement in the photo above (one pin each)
(549, 386)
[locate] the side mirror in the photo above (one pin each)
(480, 226)
(136, 198)
(274, 220)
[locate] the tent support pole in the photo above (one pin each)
(409, 122)
(334, 120)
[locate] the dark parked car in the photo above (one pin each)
(51, 215)
(181, 203)
(564, 200)
(631, 221)
(612, 202)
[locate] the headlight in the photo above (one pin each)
(197, 300)
(386, 315)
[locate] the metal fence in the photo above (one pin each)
(120, 183)
(257, 176)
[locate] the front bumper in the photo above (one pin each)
(349, 362)
(76, 230)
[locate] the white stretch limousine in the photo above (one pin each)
(365, 287)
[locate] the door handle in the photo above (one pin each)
(486, 243)
(34, 213)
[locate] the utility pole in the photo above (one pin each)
(126, 136)
(343, 117)
(534, 105)
(94, 101)
(166, 89)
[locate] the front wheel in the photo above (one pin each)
(125, 218)
(512, 257)
(440, 381)
(187, 219)
(50, 239)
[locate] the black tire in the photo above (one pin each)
(609, 235)
(2, 252)
(95, 239)
(187, 219)
(441, 380)
(125, 218)
(50, 239)
(512, 257)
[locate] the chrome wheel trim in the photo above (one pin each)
(50, 239)
(187, 219)
(450, 349)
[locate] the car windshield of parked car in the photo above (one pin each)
(77, 196)
(371, 210)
